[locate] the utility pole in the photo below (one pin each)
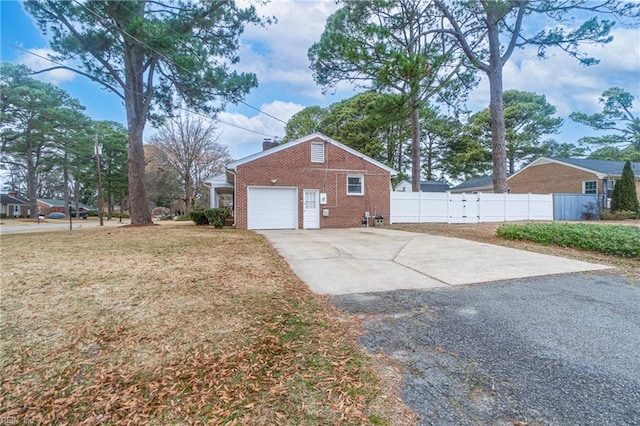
(98, 151)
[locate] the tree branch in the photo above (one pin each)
(81, 39)
(149, 91)
(458, 34)
(515, 34)
(97, 80)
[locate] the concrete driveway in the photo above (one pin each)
(362, 260)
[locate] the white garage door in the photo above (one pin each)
(272, 208)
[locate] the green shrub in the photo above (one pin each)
(199, 217)
(617, 240)
(624, 195)
(183, 218)
(217, 216)
(619, 215)
(3, 215)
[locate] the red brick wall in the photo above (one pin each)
(293, 167)
(551, 178)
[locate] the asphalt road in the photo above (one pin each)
(558, 350)
(50, 224)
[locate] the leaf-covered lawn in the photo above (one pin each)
(172, 324)
(617, 240)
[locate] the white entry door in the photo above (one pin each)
(311, 211)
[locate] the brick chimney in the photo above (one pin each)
(268, 144)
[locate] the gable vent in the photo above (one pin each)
(317, 152)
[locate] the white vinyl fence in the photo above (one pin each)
(444, 207)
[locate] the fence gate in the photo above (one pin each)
(464, 208)
(577, 206)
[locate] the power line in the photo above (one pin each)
(225, 122)
(131, 90)
(262, 112)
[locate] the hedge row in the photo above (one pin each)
(617, 240)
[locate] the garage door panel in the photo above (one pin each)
(272, 208)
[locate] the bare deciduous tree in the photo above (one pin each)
(190, 146)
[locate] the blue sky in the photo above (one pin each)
(278, 56)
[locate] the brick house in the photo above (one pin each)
(310, 183)
(13, 205)
(570, 175)
(48, 205)
(551, 175)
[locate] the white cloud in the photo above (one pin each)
(278, 53)
(37, 63)
(567, 84)
(242, 142)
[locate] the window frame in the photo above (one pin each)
(361, 177)
(584, 186)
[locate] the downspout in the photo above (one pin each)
(210, 198)
(235, 182)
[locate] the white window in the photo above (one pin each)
(355, 185)
(589, 187)
(317, 152)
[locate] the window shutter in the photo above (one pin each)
(317, 152)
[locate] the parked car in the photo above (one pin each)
(56, 215)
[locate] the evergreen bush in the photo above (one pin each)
(618, 215)
(199, 217)
(624, 195)
(217, 216)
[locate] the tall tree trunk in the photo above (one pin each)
(122, 201)
(415, 145)
(496, 107)
(32, 179)
(136, 119)
(187, 193)
(138, 207)
(76, 192)
(32, 184)
(65, 178)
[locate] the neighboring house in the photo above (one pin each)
(482, 184)
(552, 175)
(570, 175)
(48, 205)
(425, 186)
(13, 205)
(313, 182)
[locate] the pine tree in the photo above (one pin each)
(624, 195)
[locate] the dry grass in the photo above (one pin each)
(486, 232)
(173, 325)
